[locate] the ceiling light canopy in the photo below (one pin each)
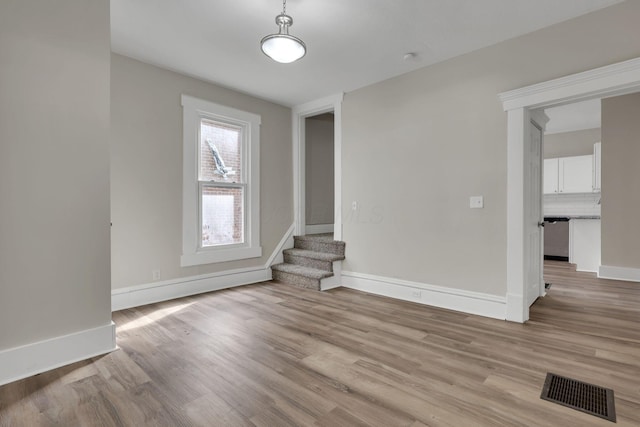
(282, 47)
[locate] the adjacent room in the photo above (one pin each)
(355, 214)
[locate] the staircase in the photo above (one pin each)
(314, 262)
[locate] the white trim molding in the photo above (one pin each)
(31, 359)
(619, 273)
(611, 80)
(318, 228)
(135, 296)
(299, 114)
(334, 281)
(452, 299)
(285, 243)
(165, 290)
(517, 309)
(193, 253)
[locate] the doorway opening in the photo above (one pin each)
(520, 104)
(572, 187)
(319, 173)
(313, 155)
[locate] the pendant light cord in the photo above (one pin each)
(284, 7)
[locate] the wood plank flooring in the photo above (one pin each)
(274, 355)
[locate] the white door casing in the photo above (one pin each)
(299, 114)
(612, 80)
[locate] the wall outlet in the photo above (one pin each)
(476, 202)
(155, 274)
(416, 294)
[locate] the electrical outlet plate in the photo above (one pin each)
(476, 202)
(155, 274)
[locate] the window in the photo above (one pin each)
(221, 204)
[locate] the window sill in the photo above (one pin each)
(219, 255)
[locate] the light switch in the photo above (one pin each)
(476, 202)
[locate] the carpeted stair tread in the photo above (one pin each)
(305, 253)
(323, 237)
(320, 238)
(298, 270)
(298, 281)
(320, 243)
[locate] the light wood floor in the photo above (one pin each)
(274, 355)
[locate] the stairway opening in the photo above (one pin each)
(319, 173)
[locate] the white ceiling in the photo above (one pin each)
(351, 43)
(572, 117)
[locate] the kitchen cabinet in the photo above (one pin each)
(597, 166)
(550, 172)
(569, 175)
(584, 244)
(576, 174)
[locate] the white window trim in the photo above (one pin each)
(194, 110)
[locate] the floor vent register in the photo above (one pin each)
(588, 398)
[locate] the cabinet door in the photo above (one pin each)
(597, 165)
(584, 244)
(550, 176)
(576, 174)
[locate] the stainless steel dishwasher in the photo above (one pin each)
(556, 238)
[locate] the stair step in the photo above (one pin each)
(312, 273)
(312, 259)
(297, 275)
(320, 237)
(320, 243)
(305, 253)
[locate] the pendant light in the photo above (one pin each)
(282, 47)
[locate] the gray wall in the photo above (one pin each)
(566, 144)
(146, 173)
(54, 169)
(620, 181)
(319, 182)
(417, 146)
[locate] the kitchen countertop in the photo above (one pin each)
(573, 216)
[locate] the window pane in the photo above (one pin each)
(219, 152)
(222, 216)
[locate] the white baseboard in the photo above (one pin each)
(453, 299)
(318, 228)
(171, 289)
(619, 273)
(334, 281)
(587, 270)
(31, 359)
(165, 290)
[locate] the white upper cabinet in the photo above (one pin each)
(569, 175)
(550, 183)
(576, 174)
(597, 166)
